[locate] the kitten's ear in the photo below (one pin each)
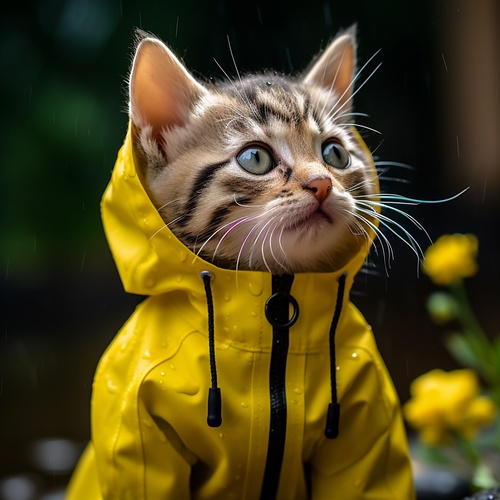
(336, 66)
(162, 92)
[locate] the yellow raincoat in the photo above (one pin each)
(150, 437)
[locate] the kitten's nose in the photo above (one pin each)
(320, 188)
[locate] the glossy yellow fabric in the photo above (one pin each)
(149, 433)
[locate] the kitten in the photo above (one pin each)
(258, 173)
(267, 180)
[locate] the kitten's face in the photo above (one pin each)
(260, 173)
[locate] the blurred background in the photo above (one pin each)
(63, 66)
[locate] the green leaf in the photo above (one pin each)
(496, 352)
(431, 455)
(483, 478)
(460, 348)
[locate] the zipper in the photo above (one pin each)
(277, 312)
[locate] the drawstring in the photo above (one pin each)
(214, 416)
(333, 415)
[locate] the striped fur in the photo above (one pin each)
(241, 220)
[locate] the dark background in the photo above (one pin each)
(63, 65)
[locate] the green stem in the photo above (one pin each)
(474, 333)
(465, 313)
(469, 451)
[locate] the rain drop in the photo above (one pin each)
(255, 289)
(112, 388)
(183, 255)
(146, 354)
(227, 297)
(147, 423)
(178, 278)
(244, 404)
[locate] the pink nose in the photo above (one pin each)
(320, 188)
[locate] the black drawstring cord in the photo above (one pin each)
(333, 415)
(214, 416)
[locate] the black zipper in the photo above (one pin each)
(278, 314)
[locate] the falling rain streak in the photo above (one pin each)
(83, 259)
(444, 62)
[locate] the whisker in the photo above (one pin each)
(397, 210)
(387, 222)
(250, 105)
(393, 164)
(242, 95)
(394, 179)
(249, 205)
(332, 85)
(177, 219)
(359, 125)
(252, 248)
(233, 225)
(398, 199)
(167, 204)
(236, 222)
(352, 113)
(240, 253)
(271, 244)
(335, 111)
(280, 242)
(387, 257)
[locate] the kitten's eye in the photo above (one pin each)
(256, 160)
(336, 155)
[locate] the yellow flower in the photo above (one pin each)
(480, 413)
(452, 257)
(445, 402)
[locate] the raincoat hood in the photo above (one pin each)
(152, 261)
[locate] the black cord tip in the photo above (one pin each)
(214, 418)
(332, 421)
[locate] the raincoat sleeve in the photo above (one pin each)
(121, 467)
(370, 458)
(132, 455)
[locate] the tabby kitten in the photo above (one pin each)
(257, 173)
